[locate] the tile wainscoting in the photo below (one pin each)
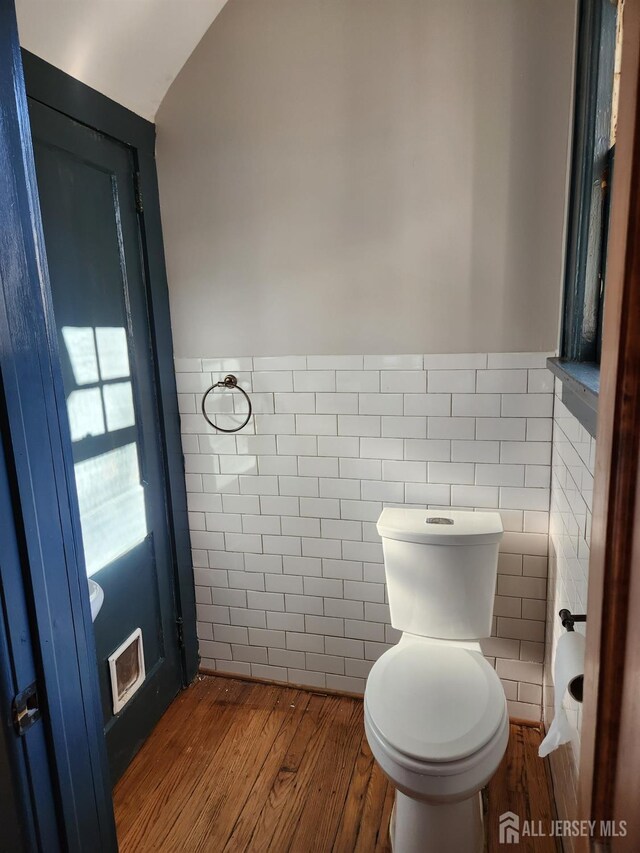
(287, 561)
(570, 531)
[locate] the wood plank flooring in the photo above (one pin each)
(241, 766)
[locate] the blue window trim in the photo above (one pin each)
(591, 176)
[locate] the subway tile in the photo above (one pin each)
(314, 380)
(284, 657)
(334, 487)
(247, 618)
(320, 507)
(484, 497)
(257, 445)
(382, 404)
(537, 476)
(225, 365)
(275, 424)
(450, 428)
(452, 381)
(243, 542)
(359, 630)
(356, 425)
(306, 566)
(331, 548)
(329, 626)
(308, 604)
(381, 448)
(366, 551)
(344, 569)
(432, 405)
(301, 486)
(502, 381)
(404, 426)
(527, 405)
(475, 451)
(363, 591)
(427, 450)
(511, 360)
(539, 429)
(239, 464)
(403, 381)
(274, 465)
(507, 429)
(476, 405)
(220, 483)
(289, 545)
(280, 362)
(455, 361)
(299, 526)
(393, 362)
(524, 498)
(265, 637)
(273, 380)
(297, 445)
(451, 472)
(278, 621)
(526, 452)
(258, 485)
(295, 403)
(414, 472)
(335, 362)
(304, 642)
(428, 493)
(263, 563)
(337, 404)
(340, 529)
(279, 505)
(316, 424)
(331, 445)
(540, 381)
(358, 380)
(361, 469)
(325, 663)
(500, 475)
(344, 609)
(360, 510)
(378, 490)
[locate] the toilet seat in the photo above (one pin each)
(434, 702)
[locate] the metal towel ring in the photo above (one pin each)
(229, 381)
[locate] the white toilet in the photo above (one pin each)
(435, 712)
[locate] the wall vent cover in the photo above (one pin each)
(126, 667)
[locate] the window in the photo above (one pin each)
(593, 151)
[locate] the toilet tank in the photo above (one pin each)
(441, 569)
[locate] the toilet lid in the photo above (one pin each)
(434, 702)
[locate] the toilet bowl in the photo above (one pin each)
(435, 712)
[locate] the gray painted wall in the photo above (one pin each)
(347, 176)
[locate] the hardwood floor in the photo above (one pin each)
(241, 766)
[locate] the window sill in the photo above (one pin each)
(580, 389)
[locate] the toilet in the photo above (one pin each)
(435, 712)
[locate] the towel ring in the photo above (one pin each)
(229, 381)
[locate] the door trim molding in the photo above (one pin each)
(59, 91)
(610, 750)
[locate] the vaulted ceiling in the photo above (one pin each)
(130, 50)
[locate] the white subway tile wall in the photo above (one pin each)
(287, 560)
(570, 533)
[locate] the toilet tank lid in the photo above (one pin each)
(440, 527)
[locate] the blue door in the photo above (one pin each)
(86, 185)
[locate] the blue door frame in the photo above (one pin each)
(56, 773)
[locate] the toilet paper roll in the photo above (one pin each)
(568, 672)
